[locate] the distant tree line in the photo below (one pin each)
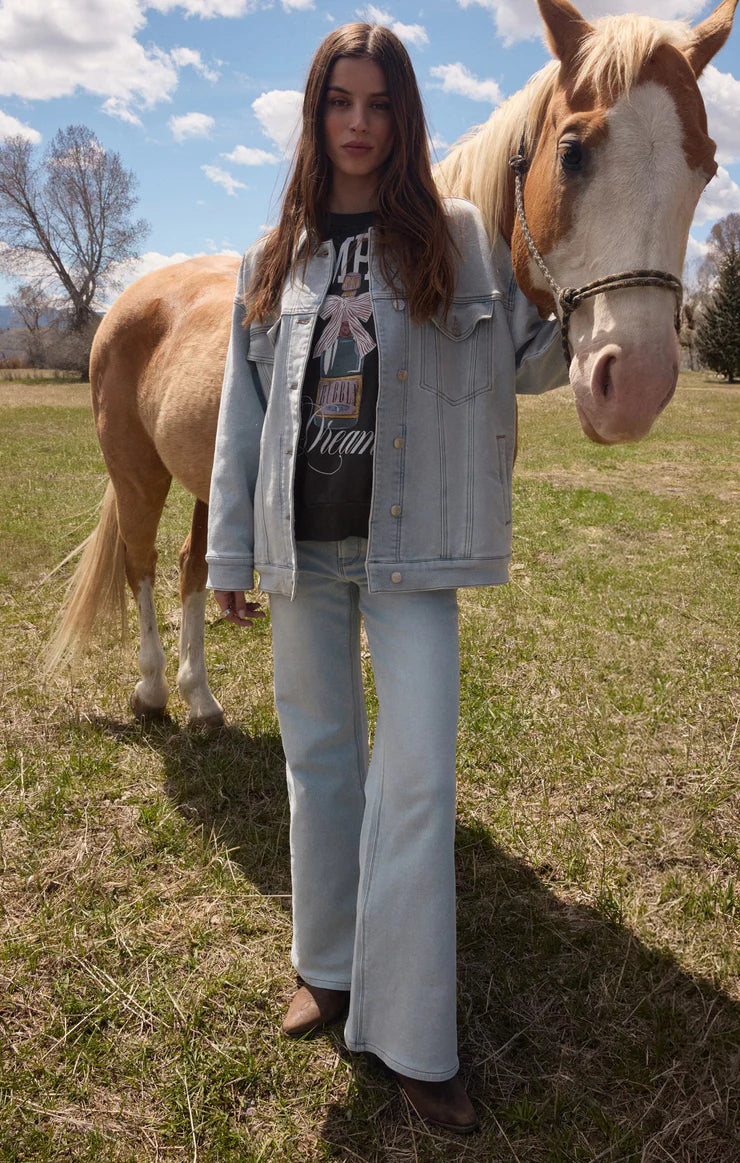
(66, 223)
(710, 332)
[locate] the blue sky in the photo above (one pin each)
(198, 95)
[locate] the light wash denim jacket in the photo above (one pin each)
(446, 424)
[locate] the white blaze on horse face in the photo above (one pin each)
(635, 212)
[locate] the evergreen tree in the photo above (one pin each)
(718, 336)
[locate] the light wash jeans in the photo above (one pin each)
(372, 847)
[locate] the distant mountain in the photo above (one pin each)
(9, 319)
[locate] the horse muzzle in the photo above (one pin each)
(621, 390)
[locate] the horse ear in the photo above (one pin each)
(709, 36)
(566, 28)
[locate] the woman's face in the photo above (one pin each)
(358, 126)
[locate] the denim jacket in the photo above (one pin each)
(445, 435)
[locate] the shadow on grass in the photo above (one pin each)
(578, 1042)
(229, 783)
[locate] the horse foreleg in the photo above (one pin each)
(192, 681)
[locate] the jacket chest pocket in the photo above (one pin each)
(261, 351)
(457, 352)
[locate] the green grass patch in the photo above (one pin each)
(144, 872)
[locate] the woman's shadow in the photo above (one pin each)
(578, 1041)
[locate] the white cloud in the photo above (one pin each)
(206, 9)
(721, 93)
(519, 19)
(695, 251)
(458, 79)
(190, 56)
(244, 156)
(414, 34)
(279, 114)
(12, 127)
(514, 19)
(721, 197)
(298, 5)
(54, 50)
(115, 107)
(223, 178)
(191, 125)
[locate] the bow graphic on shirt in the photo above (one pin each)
(354, 312)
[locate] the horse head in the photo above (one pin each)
(617, 155)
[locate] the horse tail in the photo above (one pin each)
(97, 589)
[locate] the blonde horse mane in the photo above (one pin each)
(609, 62)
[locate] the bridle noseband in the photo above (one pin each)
(568, 298)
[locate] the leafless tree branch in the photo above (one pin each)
(67, 220)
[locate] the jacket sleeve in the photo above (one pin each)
(538, 348)
(230, 550)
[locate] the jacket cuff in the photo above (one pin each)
(230, 576)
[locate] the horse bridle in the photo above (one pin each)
(567, 299)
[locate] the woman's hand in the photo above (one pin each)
(235, 608)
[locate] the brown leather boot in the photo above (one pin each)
(444, 1104)
(313, 1007)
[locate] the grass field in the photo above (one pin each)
(144, 877)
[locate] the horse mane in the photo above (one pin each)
(609, 63)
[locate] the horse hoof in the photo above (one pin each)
(143, 712)
(217, 719)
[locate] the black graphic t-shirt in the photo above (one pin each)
(334, 467)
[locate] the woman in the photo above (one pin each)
(363, 467)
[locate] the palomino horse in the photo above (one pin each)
(613, 153)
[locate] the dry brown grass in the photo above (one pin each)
(144, 880)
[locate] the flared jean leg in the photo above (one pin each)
(323, 723)
(403, 999)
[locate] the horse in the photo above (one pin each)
(592, 172)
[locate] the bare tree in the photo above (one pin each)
(66, 219)
(724, 235)
(34, 307)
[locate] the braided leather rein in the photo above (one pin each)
(567, 299)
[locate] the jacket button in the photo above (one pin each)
(395, 510)
(396, 577)
(303, 320)
(403, 374)
(398, 442)
(292, 387)
(289, 452)
(399, 304)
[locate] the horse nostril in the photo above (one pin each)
(604, 379)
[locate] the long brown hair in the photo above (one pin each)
(416, 249)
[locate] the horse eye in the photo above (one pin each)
(571, 156)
